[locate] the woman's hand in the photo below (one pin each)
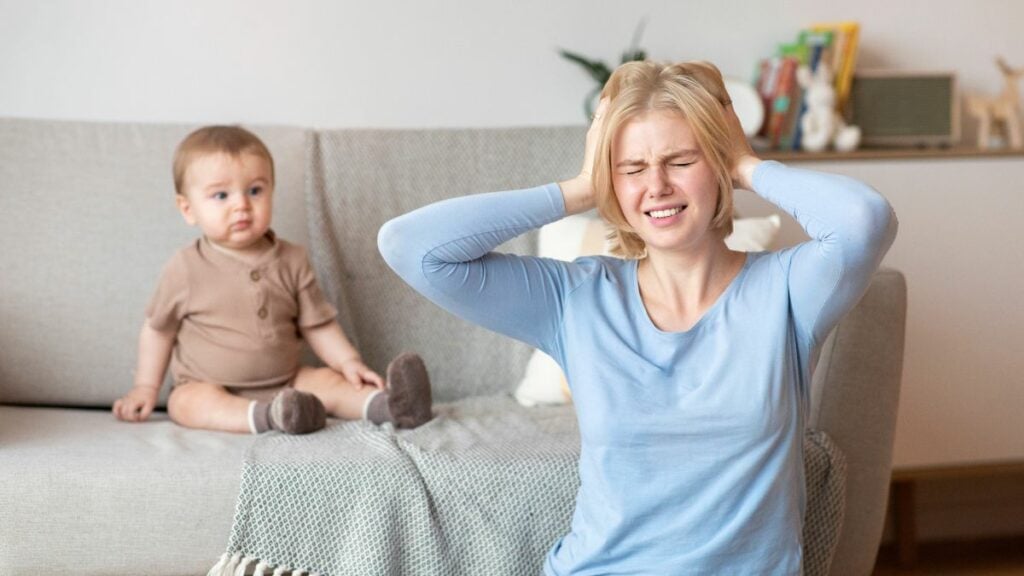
(579, 191)
(744, 159)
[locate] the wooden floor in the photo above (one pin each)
(983, 558)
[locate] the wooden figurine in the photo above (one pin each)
(1001, 112)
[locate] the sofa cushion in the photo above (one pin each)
(371, 176)
(88, 209)
(86, 494)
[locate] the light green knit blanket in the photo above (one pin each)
(485, 488)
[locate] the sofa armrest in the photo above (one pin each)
(854, 399)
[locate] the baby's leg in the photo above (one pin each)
(340, 398)
(406, 402)
(212, 407)
(209, 407)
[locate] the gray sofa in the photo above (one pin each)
(89, 213)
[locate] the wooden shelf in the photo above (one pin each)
(988, 469)
(892, 153)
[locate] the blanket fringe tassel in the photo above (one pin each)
(237, 565)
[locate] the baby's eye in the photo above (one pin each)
(220, 195)
(255, 191)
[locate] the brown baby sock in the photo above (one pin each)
(376, 409)
(408, 399)
(291, 412)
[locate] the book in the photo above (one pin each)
(846, 37)
(782, 108)
(766, 83)
(817, 48)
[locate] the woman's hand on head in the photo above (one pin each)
(578, 192)
(744, 159)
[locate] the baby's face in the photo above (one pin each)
(229, 198)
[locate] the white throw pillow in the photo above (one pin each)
(584, 235)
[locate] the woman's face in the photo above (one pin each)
(666, 189)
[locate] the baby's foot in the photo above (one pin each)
(295, 412)
(409, 398)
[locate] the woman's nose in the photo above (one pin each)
(657, 182)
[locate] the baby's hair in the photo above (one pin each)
(231, 140)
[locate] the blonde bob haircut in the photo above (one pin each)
(696, 91)
(231, 140)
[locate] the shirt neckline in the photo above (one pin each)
(261, 260)
(705, 318)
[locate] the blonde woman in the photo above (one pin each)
(689, 364)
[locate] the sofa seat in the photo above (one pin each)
(85, 493)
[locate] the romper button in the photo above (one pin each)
(262, 313)
(255, 275)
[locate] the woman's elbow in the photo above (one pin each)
(877, 220)
(395, 242)
(882, 218)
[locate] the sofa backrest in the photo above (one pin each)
(367, 177)
(89, 219)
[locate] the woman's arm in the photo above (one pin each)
(851, 228)
(850, 224)
(445, 252)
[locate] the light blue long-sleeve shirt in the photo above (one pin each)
(691, 457)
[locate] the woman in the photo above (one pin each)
(690, 364)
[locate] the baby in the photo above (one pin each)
(232, 308)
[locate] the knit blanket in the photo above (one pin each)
(487, 487)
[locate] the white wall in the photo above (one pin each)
(450, 63)
(327, 63)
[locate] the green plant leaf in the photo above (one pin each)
(597, 70)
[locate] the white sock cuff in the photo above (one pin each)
(252, 417)
(366, 404)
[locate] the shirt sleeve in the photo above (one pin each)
(851, 227)
(445, 251)
(168, 306)
(314, 309)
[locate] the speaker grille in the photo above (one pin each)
(904, 109)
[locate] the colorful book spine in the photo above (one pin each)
(846, 38)
(782, 102)
(818, 48)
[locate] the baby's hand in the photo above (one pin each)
(359, 375)
(137, 404)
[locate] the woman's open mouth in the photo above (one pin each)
(665, 213)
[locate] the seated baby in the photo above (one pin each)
(231, 311)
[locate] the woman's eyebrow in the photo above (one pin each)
(630, 162)
(671, 154)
